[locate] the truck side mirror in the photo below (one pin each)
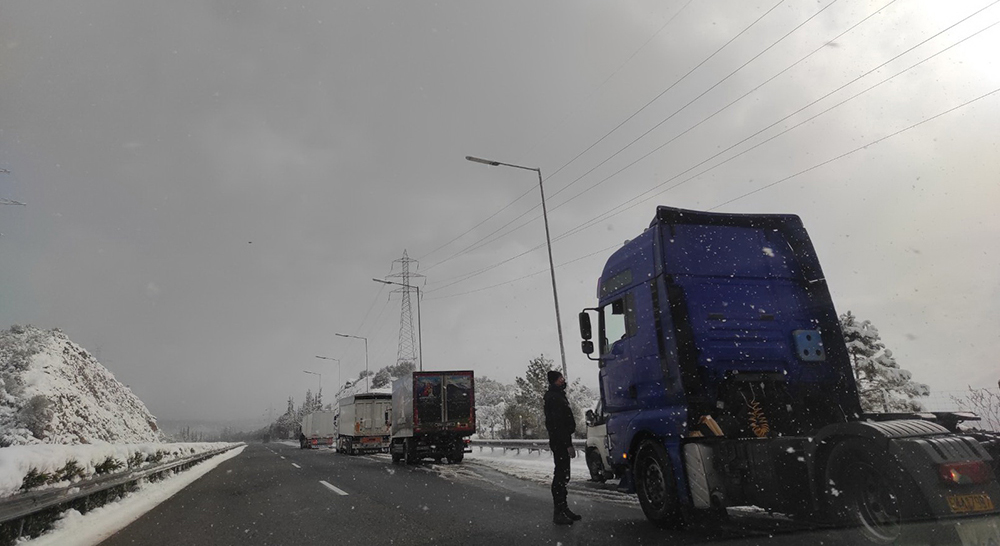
(586, 332)
(587, 346)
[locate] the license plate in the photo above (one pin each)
(965, 504)
(371, 440)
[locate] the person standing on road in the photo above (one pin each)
(561, 424)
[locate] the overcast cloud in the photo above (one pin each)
(211, 186)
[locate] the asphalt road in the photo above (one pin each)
(279, 495)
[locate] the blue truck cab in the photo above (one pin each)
(726, 381)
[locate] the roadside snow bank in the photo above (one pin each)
(43, 466)
(536, 466)
(76, 529)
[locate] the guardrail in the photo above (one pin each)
(538, 445)
(31, 512)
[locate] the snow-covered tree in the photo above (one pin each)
(882, 385)
(381, 378)
(527, 412)
(388, 374)
(985, 403)
(581, 399)
(287, 425)
(492, 400)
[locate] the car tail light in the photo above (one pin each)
(964, 473)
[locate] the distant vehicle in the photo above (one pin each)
(364, 423)
(433, 415)
(318, 429)
(597, 445)
(726, 381)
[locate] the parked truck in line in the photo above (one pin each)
(433, 415)
(725, 381)
(363, 423)
(319, 428)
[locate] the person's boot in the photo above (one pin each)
(559, 517)
(572, 515)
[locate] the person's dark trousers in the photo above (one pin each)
(560, 478)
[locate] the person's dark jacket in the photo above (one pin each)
(559, 419)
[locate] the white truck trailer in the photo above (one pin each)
(364, 423)
(318, 429)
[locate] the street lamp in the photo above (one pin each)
(420, 323)
(320, 378)
(337, 360)
(548, 242)
(366, 355)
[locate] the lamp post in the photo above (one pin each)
(420, 323)
(366, 355)
(337, 360)
(548, 242)
(320, 378)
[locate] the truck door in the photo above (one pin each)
(616, 328)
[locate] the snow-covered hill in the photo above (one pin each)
(53, 391)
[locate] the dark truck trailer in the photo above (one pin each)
(725, 381)
(433, 414)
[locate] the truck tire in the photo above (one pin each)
(655, 485)
(456, 457)
(866, 492)
(595, 466)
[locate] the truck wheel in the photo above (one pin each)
(595, 466)
(456, 457)
(655, 484)
(865, 492)
(396, 458)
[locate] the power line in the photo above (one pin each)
(476, 245)
(639, 198)
(635, 201)
(786, 69)
(692, 101)
(612, 75)
(487, 219)
(483, 241)
(539, 272)
(560, 124)
(762, 188)
(654, 99)
(859, 148)
(370, 307)
(609, 133)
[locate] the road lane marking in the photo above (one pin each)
(296, 466)
(334, 488)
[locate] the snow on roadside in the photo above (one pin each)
(17, 462)
(76, 529)
(535, 466)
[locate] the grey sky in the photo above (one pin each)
(212, 185)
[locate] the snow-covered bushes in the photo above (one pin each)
(25, 468)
